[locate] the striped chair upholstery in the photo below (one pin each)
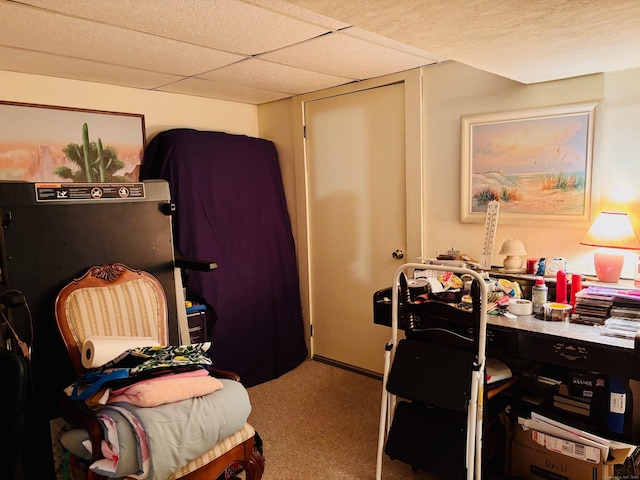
(111, 300)
(126, 309)
(237, 444)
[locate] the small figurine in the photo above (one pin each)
(541, 268)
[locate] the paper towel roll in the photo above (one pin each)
(96, 350)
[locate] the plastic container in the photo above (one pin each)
(539, 293)
(557, 312)
(576, 286)
(561, 286)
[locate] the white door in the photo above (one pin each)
(355, 150)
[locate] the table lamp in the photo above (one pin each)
(611, 232)
(514, 250)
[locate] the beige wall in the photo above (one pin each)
(451, 90)
(162, 111)
(276, 124)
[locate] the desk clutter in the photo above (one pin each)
(616, 309)
(565, 371)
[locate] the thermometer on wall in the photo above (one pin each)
(490, 225)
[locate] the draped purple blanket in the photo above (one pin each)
(231, 209)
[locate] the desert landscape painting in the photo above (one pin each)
(40, 143)
(534, 166)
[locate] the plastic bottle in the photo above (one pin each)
(539, 294)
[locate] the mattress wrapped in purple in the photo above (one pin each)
(231, 209)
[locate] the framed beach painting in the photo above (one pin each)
(536, 163)
(43, 143)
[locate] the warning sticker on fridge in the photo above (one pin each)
(88, 191)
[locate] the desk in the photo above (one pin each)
(569, 345)
(581, 347)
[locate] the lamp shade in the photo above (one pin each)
(512, 247)
(612, 230)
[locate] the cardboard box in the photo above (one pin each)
(529, 460)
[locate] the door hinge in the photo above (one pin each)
(311, 330)
(304, 131)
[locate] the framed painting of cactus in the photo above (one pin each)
(45, 143)
(537, 163)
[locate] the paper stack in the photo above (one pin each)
(562, 438)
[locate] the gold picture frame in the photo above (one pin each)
(537, 163)
(46, 143)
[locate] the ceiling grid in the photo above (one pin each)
(257, 51)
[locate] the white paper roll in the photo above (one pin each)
(96, 351)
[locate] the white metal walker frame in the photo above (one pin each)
(474, 416)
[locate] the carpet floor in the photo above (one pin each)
(320, 422)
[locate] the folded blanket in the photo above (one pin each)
(174, 433)
(125, 448)
(167, 389)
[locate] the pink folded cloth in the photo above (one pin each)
(167, 389)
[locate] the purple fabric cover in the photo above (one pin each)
(231, 209)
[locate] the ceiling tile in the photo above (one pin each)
(273, 77)
(525, 40)
(80, 38)
(228, 25)
(300, 13)
(234, 93)
(16, 60)
(387, 42)
(343, 55)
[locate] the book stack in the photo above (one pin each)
(572, 403)
(623, 322)
(593, 305)
(617, 309)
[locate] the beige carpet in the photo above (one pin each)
(320, 422)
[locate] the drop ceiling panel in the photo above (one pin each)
(345, 56)
(139, 42)
(525, 40)
(228, 25)
(392, 44)
(78, 38)
(16, 60)
(294, 11)
(234, 93)
(273, 77)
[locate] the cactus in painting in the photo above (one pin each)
(95, 162)
(100, 162)
(86, 153)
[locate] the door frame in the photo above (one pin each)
(415, 195)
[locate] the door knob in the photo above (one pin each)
(398, 254)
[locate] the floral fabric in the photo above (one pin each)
(143, 359)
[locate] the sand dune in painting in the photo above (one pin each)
(526, 194)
